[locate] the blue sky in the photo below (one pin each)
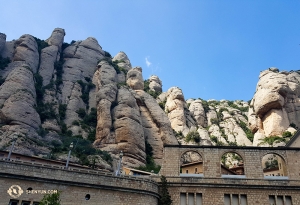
(210, 49)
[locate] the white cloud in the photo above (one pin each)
(148, 63)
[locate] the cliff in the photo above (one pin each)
(53, 93)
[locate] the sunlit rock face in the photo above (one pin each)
(275, 105)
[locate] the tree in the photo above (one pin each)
(165, 198)
(51, 199)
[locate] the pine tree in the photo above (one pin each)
(165, 198)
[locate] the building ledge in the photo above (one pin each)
(233, 176)
(191, 175)
(276, 177)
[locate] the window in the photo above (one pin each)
(274, 165)
(235, 199)
(36, 203)
(25, 203)
(18, 158)
(13, 202)
(191, 163)
(232, 164)
(190, 199)
(280, 200)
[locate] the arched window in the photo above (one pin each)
(191, 164)
(273, 166)
(232, 164)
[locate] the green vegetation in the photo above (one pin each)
(193, 136)
(41, 44)
(51, 199)
(4, 62)
(293, 125)
(205, 106)
(215, 140)
(62, 111)
(85, 89)
(233, 105)
(107, 54)
(82, 148)
(287, 134)
(162, 104)
(147, 89)
(178, 135)
(165, 198)
(58, 66)
(248, 132)
(272, 139)
(215, 121)
(272, 163)
(150, 164)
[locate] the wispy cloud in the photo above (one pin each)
(148, 63)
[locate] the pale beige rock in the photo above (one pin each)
(258, 137)
(135, 79)
(8, 50)
(49, 56)
(123, 61)
(198, 112)
(26, 50)
(56, 38)
(275, 122)
(155, 83)
(211, 114)
(104, 122)
(17, 99)
(74, 102)
(275, 104)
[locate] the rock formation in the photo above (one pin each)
(275, 105)
(53, 93)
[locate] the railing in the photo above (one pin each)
(80, 170)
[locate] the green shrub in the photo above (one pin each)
(272, 139)
(293, 125)
(107, 54)
(287, 134)
(215, 121)
(150, 164)
(193, 136)
(147, 89)
(62, 111)
(81, 113)
(4, 62)
(243, 109)
(41, 44)
(75, 122)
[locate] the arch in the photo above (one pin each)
(273, 165)
(191, 163)
(232, 163)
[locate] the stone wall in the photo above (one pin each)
(212, 185)
(104, 188)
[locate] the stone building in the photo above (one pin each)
(215, 188)
(211, 187)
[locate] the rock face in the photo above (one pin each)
(135, 78)
(122, 60)
(27, 51)
(176, 108)
(275, 105)
(51, 54)
(127, 118)
(53, 93)
(155, 83)
(2, 41)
